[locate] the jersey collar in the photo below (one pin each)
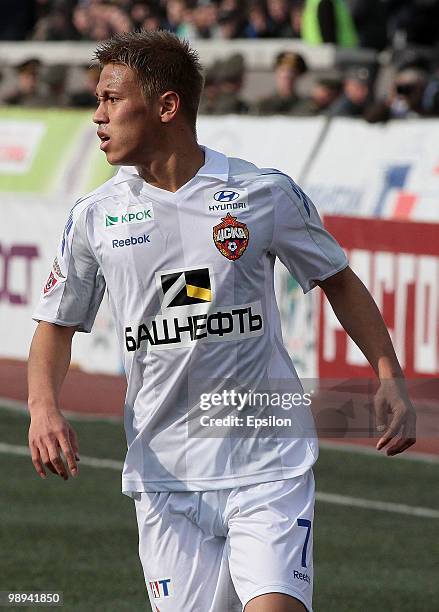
(216, 165)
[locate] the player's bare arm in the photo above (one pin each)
(49, 432)
(362, 320)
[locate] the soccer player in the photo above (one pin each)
(184, 240)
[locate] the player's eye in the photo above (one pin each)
(112, 99)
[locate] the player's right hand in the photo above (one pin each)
(50, 437)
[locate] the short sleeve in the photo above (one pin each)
(300, 241)
(75, 286)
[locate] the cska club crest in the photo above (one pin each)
(55, 277)
(50, 283)
(231, 237)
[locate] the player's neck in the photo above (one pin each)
(174, 166)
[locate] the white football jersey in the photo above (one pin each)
(189, 277)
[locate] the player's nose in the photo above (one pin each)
(100, 116)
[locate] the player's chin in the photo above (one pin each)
(118, 158)
(115, 159)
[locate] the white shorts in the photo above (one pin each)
(214, 551)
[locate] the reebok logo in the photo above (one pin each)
(131, 241)
(301, 576)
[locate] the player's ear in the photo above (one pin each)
(169, 106)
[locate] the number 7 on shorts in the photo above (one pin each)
(305, 523)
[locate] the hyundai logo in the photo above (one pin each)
(226, 196)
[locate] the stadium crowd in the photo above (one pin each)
(368, 23)
(408, 28)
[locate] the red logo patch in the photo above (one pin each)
(50, 284)
(231, 237)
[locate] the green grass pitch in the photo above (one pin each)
(80, 537)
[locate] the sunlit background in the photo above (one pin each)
(342, 95)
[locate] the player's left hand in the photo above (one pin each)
(392, 400)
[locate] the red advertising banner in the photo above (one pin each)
(398, 261)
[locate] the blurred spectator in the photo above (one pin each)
(289, 66)
(414, 92)
(296, 13)
(356, 96)
(176, 18)
(81, 22)
(204, 20)
(279, 15)
(401, 22)
(412, 58)
(152, 23)
(138, 13)
(211, 90)
(55, 78)
(119, 21)
(86, 97)
(56, 25)
(231, 24)
(413, 22)
(28, 89)
(18, 18)
(325, 92)
(328, 21)
(231, 77)
(99, 30)
(258, 25)
(370, 21)
(430, 100)
(377, 21)
(99, 20)
(404, 100)
(230, 5)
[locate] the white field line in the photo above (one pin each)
(370, 504)
(371, 451)
(330, 498)
(23, 451)
(21, 407)
(324, 444)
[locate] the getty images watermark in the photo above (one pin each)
(241, 402)
(326, 408)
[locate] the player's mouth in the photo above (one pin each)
(104, 140)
